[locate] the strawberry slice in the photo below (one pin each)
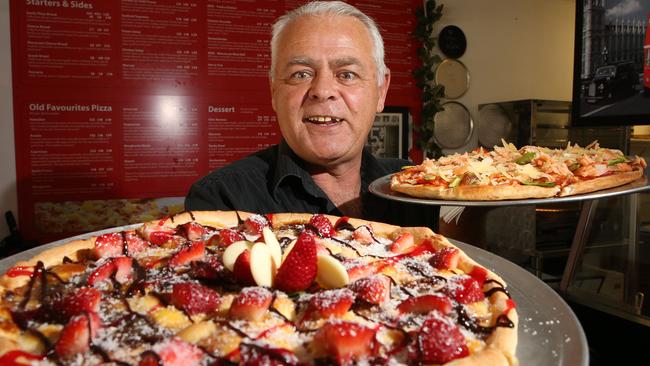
(445, 258)
(194, 252)
(242, 269)
(76, 335)
(175, 352)
(121, 267)
(210, 268)
(18, 357)
(251, 303)
(425, 303)
(255, 355)
(343, 224)
(254, 224)
(403, 243)
(439, 341)
(358, 269)
(109, 245)
(149, 358)
(330, 303)
(134, 243)
(193, 231)
(464, 289)
(194, 298)
(156, 233)
(363, 234)
(83, 299)
(346, 341)
(298, 270)
(374, 289)
(321, 225)
(479, 274)
(225, 238)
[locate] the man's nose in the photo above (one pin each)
(323, 88)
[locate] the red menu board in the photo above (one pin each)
(120, 105)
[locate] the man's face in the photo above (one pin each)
(324, 88)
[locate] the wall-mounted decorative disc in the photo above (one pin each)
(453, 126)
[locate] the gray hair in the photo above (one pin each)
(332, 8)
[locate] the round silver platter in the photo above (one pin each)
(381, 187)
(549, 332)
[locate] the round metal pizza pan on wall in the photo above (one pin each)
(493, 125)
(454, 76)
(453, 126)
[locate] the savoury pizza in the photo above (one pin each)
(506, 173)
(226, 287)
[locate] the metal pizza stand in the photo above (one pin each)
(549, 332)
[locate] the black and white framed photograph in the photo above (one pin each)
(388, 137)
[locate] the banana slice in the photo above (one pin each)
(262, 265)
(233, 251)
(274, 246)
(330, 272)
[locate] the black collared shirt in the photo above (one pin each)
(274, 180)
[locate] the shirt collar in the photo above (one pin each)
(289, 164)
(371, 169)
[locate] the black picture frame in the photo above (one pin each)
(609, 69)
(389, 134)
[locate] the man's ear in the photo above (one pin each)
(383, 91)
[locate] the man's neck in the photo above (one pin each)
(343, 186)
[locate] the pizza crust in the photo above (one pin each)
(600, 183)
(49, 257)
(474, 192)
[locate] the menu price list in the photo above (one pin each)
(160, 40)
(237, 131)
(66, 40)
(71, 148)
(161, 141)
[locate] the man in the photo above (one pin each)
(328, 80)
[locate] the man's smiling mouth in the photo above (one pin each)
(322, 120)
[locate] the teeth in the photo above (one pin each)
(323, 119)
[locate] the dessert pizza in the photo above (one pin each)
(226, 287)
(530, 172)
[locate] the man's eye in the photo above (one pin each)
(347, 75)
(299, 75)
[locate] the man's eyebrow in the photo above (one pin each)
(336, 63)
(345, 61)
(302, 60)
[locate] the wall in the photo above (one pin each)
(517, 49)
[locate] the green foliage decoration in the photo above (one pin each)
(432, 93)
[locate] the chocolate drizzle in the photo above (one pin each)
(39, 269)
(471, 324)
(347, 244)
(344, 225)
(498, 288)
